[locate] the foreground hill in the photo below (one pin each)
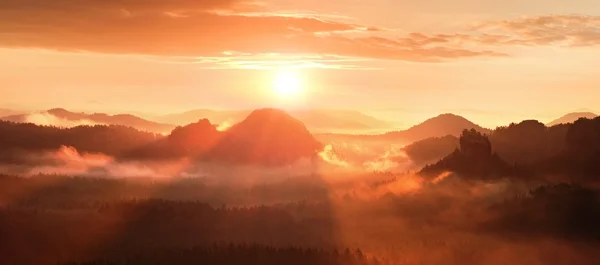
(572, 117)
(565, 151)
(58, 115)
(525, 144)
(268, 137)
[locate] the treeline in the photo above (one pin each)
(236, 254)
(48, 191)
(566, 210)
(40, 235)
(107, 139)
(74, 223)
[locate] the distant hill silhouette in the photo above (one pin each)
(214, 116)
(9, 112)
(99, 118)
(572, 117)
(442, 125)
(313, 119)
(439, 126)
(339, 119)
(474, 159)
(266, 137)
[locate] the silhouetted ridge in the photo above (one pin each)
(110, 140)
(581, 155)
(474, 159)
(267, 137)
(98, 118)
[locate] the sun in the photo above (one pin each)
(287, 84)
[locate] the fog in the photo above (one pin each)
(47, 119)
(357, 196)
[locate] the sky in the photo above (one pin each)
(493, 62)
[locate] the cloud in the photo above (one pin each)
(561, 30)
(235, 60)
(200, 29)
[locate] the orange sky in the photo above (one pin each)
(491, 61)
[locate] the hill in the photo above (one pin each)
(442, 125)
(572, 117)
(266, 137)
(64, 118)
(192, 140)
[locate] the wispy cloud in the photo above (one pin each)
(201, 29)
(270, 61)
(564, 30)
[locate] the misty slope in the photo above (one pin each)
(266, 137)
(442, 125)
(97, 118)
(313, 119)
(192, 140)
(572, 117)
(431, 150)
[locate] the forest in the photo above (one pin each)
(520, 194)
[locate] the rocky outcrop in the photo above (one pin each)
(474, 159)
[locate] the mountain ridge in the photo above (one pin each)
(96, 118)
(314, 119)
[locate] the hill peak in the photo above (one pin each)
(572, 117)
(441, 125)
(267, 136)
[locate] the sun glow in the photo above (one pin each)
(287, 84)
